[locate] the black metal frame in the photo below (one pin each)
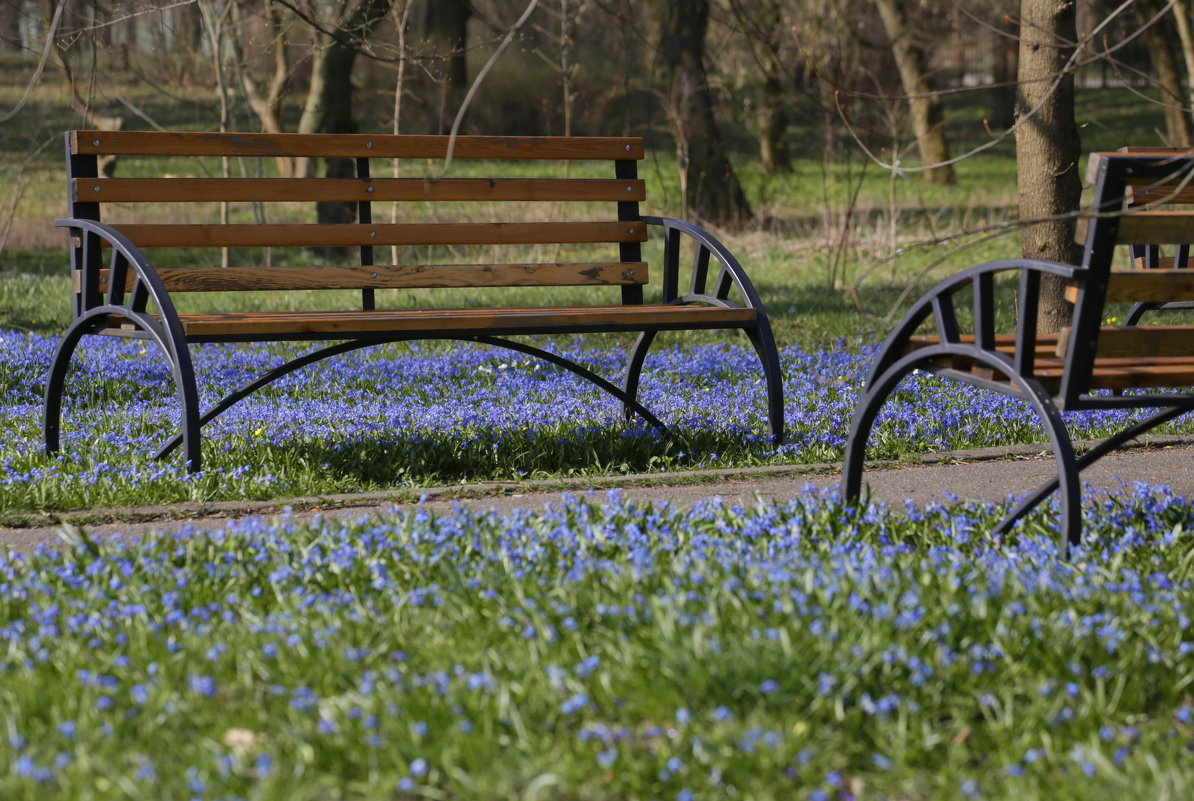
(109, 312)
(897, 358)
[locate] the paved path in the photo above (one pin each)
(989, 474)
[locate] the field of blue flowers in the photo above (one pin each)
(607, 650)
(598, 650)
(411, 416)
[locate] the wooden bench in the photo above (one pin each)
(1088, 365)
(119, 291)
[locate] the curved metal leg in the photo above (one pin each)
(860, 428)
(1094, 454)
(56, 381)
(181, 369)
(573, 367)
(1067, 470)
(188, 393)
(634, 369)
(1138, 310)
(268, 378)
(1067, 463)
(764, 344)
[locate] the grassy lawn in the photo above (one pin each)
(592, 651)
(607, 651)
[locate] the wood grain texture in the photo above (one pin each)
(1148, 341)
(314, 235)
(1153, 192)
(306, 190)
(1153, 286)
(1156, 228)
(407, 276)
(1163, 263)
(266, 324)
(169, 143)
(1110, 372)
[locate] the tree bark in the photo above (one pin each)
(268, 106)
(1185, 35)
(774, 156)
(924, 107)
(329, 107)
(1158, 39)
(10, 19)
(445, 24)
(1005, 54)
(712, 192)
(79, 99)
(1048, 148)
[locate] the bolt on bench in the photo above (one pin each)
(119, 291)
(1088, 365)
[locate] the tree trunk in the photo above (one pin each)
(1003, 95)
(773, 128)
(329, 104)
(1048, 148)
(762, 26)
(79, 100)
(1158, 39)
(923, 105)
(10, 26)
(268, 106)
(711, 189)
(1185, 35)
(445, 24)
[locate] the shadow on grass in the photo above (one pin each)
(423, 459)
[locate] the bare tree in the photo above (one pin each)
(1047, 147)
(1160, 32)
(924, 105)
(10, 21)
(761, 24)
(711, 188)
(1005, 56)
(445, 27)
(267, 103)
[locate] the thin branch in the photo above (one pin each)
(41, 63)
(472, 90)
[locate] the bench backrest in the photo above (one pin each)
(517, 211)
(1138, 197)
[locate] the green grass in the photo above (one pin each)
(607, 651)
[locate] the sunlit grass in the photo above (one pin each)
(607, 651)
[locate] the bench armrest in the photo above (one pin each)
(86, 258)
(730, 273)
(939, 304)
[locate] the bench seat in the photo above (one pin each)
(188, 229)
(1087, 364)
(1109, 372)
(248, 326)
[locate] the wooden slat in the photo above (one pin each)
(159, 143)
(1156, 228)
(1146, 341)
(1146, 192)
(431, 320)
(1163, 263)
(1147, 286)
(1136, 375)
(1125, 372)
(1153, 154)
(162, 190)
(314, 235)
(410, 276)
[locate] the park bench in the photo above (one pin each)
(483, 226)
(1087, 365)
